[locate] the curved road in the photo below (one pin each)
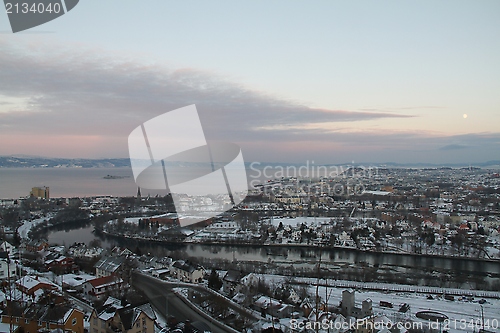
(168, 304)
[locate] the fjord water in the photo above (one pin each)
(82, 182)
(67, 182)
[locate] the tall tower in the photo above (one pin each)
(138, 193)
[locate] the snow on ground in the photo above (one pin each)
(25, 228)
(386, 287)
(459, 312)
(463, 315)
(161, 321)
(133, 220)
(298, 220)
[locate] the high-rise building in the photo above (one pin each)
(40, 192)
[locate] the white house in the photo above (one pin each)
(7, 266)
(108, 266)
(101, 288)
(186, 272)
(6, 247)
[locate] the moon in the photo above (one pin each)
(465, 115)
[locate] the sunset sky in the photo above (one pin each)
(289, 81)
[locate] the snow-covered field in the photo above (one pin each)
(459, 312)
(464, 315)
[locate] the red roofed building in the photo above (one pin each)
(100, 288)
(464, 226)
(61, 265)
(161, 221)
(30, 284)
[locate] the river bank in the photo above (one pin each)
(299, 259)
(291, 245)
(336, 263)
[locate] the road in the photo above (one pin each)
(168, 304)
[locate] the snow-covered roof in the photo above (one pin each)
(267, 302)
(106, 315)
(75, 280)
(28, 282)
(105, 281)
(109, 264)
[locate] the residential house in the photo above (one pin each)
(7, 247)
(163, 262)
(118, 251)
(108, 266)
(185, 271)
(37, 246)
(32, 286)
(61, 265)
(74, 281)
(82, 251)
(231, 282)
(272, 307)
(294, 298)
(100, 288)
(239, 298)
(127, 319)
(250, 281)
(306, 307)
(7, 266)
(161, 273)
(38, 317)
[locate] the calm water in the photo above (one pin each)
(77, 182)
(66, 182)
(290, 255)
(88, 182)
(79, 235)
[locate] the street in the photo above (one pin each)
(168, 304)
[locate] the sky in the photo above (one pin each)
(288, 81)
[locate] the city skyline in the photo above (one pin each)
(334, 82)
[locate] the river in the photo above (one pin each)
(336, 259)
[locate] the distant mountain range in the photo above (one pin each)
(20, 161)
(46, 162)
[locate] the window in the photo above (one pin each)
(138, 324)
(26, 321)
(95, 321)
(73, 322)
